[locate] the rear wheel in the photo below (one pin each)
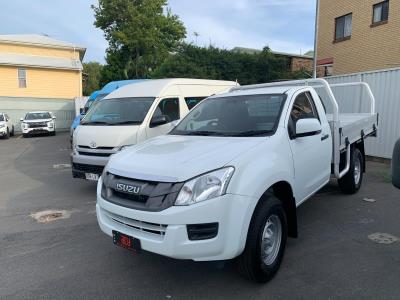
(266, 241)
(351, 182)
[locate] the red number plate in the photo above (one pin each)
(126, 241)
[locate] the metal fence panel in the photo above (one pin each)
(16, 108)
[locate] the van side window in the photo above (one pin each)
(303, 108)
(168, 107)
(193, 101)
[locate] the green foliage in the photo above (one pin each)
(140, 34)
(92, 72)
(212, 63)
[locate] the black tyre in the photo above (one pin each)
(13, 131)
(25, 135)
(7, 136)
(266, 241)
(53, 133)
(351, 182)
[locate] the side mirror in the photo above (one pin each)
(82, 110)
(175, 123)
(159, 120)
(53, 117)
(307, 127)
(22, 119)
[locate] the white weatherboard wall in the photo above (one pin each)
(385, 84)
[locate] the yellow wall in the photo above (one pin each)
(41, 83)
(369, 48)
(41, 51)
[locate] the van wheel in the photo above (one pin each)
(266, 241)
(351, 182)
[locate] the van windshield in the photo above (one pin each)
(247, 115)
(1, 118)
(118, 111)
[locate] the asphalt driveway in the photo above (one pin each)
(347, 246)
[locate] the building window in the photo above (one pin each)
(380, 12)
(21, 78)
(328, 70)
(343, 27)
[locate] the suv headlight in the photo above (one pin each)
(50, 124)
(2, 125)
(205, 187)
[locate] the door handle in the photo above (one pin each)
(324, 137)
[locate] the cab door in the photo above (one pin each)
(168, 107)
(311, 154)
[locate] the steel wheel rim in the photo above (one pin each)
(357, 170)
(271, 240)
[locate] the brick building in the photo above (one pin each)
(358, 35)
(296, 62)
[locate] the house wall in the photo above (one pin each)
(40, 51)
(370, 47)
(41, 83)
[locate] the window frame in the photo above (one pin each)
(166, 99)
(291, 123)
(343, 38)
(381, 21)
(22, 78)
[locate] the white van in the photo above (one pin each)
(132, 114)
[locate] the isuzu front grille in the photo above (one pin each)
(148, 195)
(152, 228)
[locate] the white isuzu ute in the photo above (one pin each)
(226, 181)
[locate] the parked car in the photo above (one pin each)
(132, 114)
(6, 126)
(227, 180)
(98, 95)
(38, 122)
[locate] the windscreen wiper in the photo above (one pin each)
(253, 133)
(205, 133)
(126, 123)
(95, 123)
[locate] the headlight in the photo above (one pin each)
(50, 124)
(2, 125)
(205, 187)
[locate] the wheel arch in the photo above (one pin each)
(284, 192)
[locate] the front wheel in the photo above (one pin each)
(7, 136)
(351, 182)
(13, 131)
(266, 241)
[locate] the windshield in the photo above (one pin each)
(37, 116)
(1, 118)
(89, 103)
(249, 115)
(118, 111)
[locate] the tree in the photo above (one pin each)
(212, 63)
(140, 33)
(92, 73)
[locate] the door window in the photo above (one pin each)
(168, 107)
(193, 101)
(303, 108)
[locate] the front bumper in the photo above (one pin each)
(82, 164)
(37, 130)
(168, 235)
(3, 131)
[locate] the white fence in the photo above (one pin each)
(385, 84)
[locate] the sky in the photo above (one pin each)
(283, 25)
